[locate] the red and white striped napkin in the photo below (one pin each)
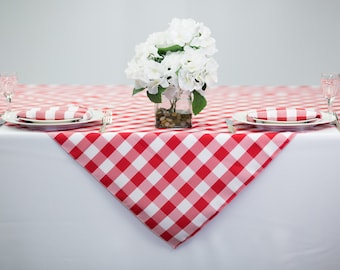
(57, 113)
(282, 114)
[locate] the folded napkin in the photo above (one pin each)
(57, 113)
(283, 114)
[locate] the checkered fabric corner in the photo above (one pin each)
(174, 182)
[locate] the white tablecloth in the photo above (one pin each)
(54, 215)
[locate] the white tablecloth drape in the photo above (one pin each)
(54, 215)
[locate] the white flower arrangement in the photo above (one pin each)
(178, 58)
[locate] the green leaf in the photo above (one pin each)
(199, 102)
(137, 90)
(173, 48)
(156, 98)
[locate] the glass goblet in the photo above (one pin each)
(8, 83)
(330, 83)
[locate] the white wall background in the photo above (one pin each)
(260, 42)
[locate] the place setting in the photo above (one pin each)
(82, 119)
(282, 118)
(55, 117)
(46, 118)
(293, 118)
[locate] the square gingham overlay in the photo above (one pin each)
(174, 182)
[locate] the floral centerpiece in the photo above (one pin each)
(174, 63)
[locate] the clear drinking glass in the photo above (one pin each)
(330, 83)
(8, 84)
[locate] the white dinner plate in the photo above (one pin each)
(326, 118)
(48, 121)
(265, 121)
(12, 118)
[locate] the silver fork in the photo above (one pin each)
(336, 122)
(106, 120)
(230, 125)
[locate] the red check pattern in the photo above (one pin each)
(174, 181)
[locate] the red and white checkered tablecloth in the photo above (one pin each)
(174, 181)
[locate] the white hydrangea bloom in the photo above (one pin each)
(181, 32)
(178, 58)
